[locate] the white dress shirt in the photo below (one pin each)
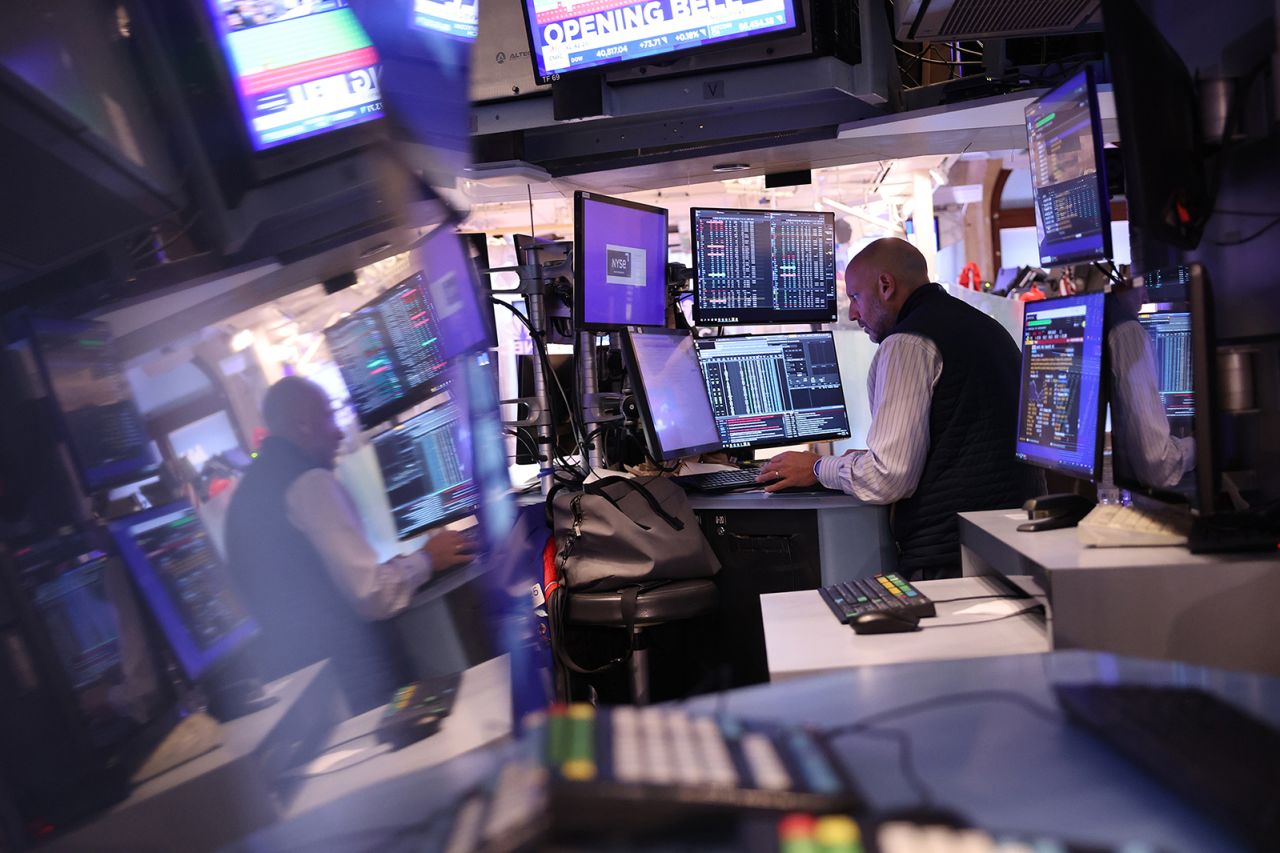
(319, 506)
(1139, 426)
(900, 386)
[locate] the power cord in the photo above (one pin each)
(1024, 611)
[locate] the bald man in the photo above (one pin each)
(309, 576)
(944, 402)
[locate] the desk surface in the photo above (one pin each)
(1061, 549)
(992, 760)
(481, 714)
(803, 637)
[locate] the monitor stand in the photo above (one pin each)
(1051, 512)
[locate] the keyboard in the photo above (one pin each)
(881, 592)
(1216, 756)
(640, 769)
(719, 481)
(1118, 526)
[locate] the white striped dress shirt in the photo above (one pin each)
(1139, 426)
(900, 386)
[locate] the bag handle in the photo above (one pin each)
(628, 607)
(597, 488)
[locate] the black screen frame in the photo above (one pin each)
(1100, 173)
(801, 26)
(766, 316)
(632, 364)
(580, 271)
(786, 442)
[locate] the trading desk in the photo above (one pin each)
(1167, 603)
(803, 637)
(977, 748)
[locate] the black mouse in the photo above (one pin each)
(884, 622)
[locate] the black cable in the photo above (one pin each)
(1112, 275)
(1033, 608)
(547, 372)
(951, 62)
(1255, 235)
(977, 597)
(964, 698)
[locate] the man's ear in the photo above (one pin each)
(888, 286)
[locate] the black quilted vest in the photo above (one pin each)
(304, 616)
(972, 429)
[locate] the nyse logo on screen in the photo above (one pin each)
(624, 265)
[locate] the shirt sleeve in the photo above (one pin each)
(901, 381)
(319, 506)
(1139, 423)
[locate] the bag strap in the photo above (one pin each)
(597, 488)
(629, 607)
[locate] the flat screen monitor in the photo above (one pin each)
(674, 408)
(1162, 439)
(175, 565)
(774, 390)
(457, 18)
(1068, 174)
(460, 306)
(426, 469)
(620, 259)
(298, 69)
(1060, 402)
(763, 267)
(576, 35)
(390, 352)
(103, 426)
(83, 601)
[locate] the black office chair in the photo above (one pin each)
(669, 602)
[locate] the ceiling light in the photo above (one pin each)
(730, 167)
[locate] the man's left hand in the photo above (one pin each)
(790, 470)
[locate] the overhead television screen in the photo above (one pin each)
(574, 35)
(299, 67)
(457, 18)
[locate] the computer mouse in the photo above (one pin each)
(884, 622)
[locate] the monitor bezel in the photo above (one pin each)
(580, 197)
(1100, 173)
(784, 442)
(457, 515)
(134, 468)
(776, 316)
(1100, 422)
(638, 388)
(131, 555)
(800, 26)
(1198, 302)
(412, 397)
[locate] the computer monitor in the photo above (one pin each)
(772, 390)
(1060, 403)
(459, 304)
(175, 566)
(1068, 173)
(299, 70)
(1176, 364)
(1006, 278)
(101, 421)
(457, 18)
(674, 408)
(390, 352)
(426, 469)
(763, 266)
(620, 261)
(92, 634)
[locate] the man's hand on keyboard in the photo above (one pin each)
(790, 470)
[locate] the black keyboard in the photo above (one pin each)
(719, 481)
(1219, 758)
(881, 592)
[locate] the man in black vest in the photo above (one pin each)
(299, 554)
(944, 405)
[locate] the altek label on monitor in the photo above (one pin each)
(625, 265)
